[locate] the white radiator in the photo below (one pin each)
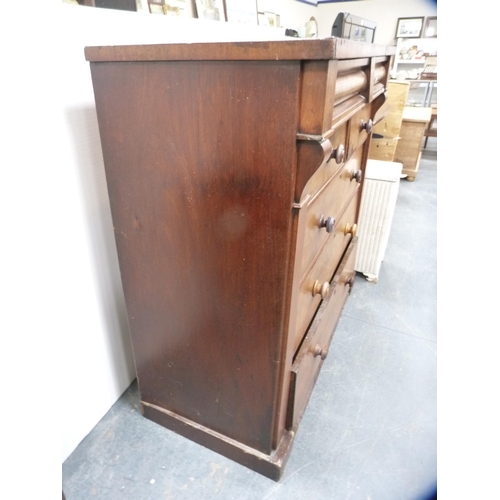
(380, 192)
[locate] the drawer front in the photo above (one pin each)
(317, 162)
(359, 128)
(324, 209)
(326, 85)
(314, 287)
(315, 347)
(332, 90)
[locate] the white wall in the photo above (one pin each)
(97, 362)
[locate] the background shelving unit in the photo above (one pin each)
(422, 92)
(428, 45)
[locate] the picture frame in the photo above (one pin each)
(156, 6)
(409, 27)
(242, 11)
(172, 8)
(430, 29)
(262, 19)
(271, 19)
(213, 10)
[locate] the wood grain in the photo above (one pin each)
(289, 49)
(202, 237)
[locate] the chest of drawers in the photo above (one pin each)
(234, 174)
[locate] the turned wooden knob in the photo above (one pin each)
(338, 154)
(322, 289)
(327, 222)
(317, 350)
(349, 281)
(351, 228)
(368, 126)
(356, 175)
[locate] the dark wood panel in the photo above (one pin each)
(200, 161)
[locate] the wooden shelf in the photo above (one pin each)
(411, 61)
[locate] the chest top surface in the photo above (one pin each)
(289, 49)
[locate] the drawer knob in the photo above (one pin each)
(327, 222)
(368, 126)
(322, 289)
(320, 351)
(356, 175)
(338, 154)
(349, 282)
(351, 228)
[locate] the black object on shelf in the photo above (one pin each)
(353, 27)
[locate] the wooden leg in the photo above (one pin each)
(428, 132)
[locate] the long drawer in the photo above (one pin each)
(314, 349)
(324, 209)
(314, 287)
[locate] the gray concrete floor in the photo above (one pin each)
(369, 431)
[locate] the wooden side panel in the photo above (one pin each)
(409, 147)
(200, 160)
(383, 149)
(397, 95)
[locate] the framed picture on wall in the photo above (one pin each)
(155, 6)
(409, 27)
(210, 10)
(241, 11)
(271, 19)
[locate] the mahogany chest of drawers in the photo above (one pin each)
(234, 173)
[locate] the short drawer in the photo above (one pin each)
(314, 287)
(360, 125)
(332, 90)
(324, 209)
(318, 161)
(314, 349)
